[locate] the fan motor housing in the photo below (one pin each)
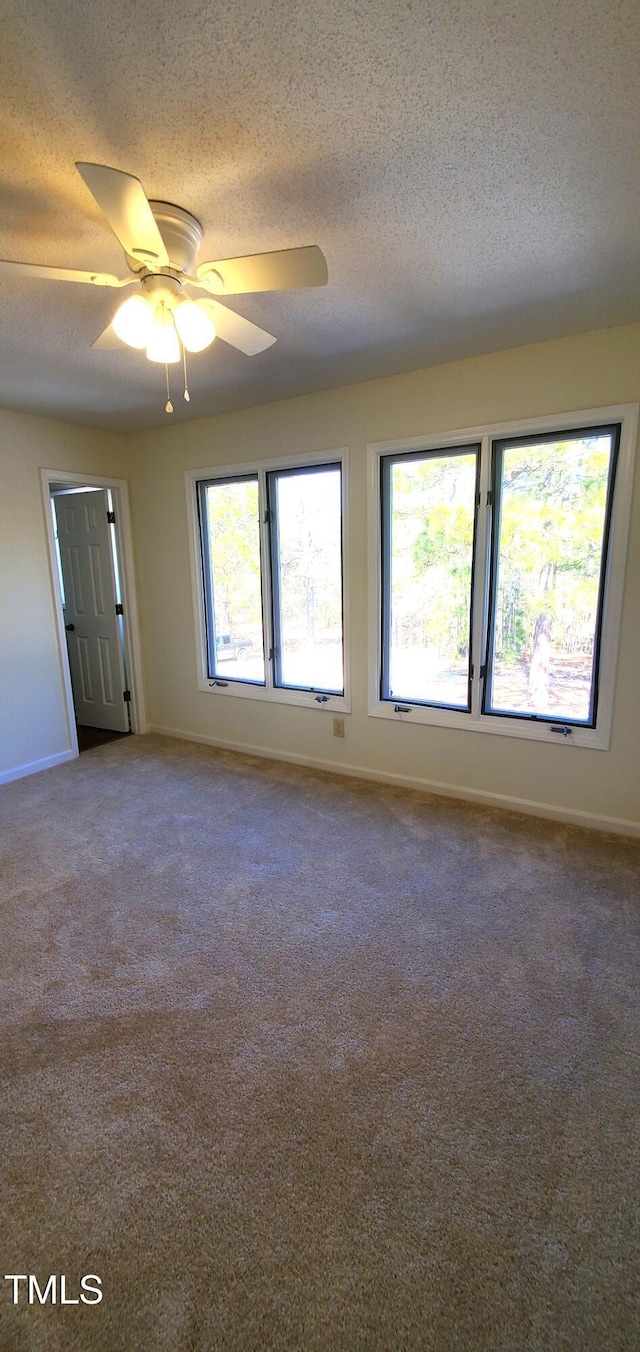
(161, 286)
(182, 235)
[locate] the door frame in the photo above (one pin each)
(131, 625)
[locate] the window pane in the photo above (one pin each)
(551, 529)
(307, 580)
(234, 611)
(429, 520)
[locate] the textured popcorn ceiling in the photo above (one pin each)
(470, 169)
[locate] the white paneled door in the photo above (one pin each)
(91, 620)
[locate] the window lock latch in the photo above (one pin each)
(321, 699)
(563, 730)
(402, 708)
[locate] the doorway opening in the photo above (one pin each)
(89, 540)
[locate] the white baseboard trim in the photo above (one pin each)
(34, 767)
(571, 816)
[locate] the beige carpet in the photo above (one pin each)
(294, 1061)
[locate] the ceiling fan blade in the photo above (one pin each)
(108, 341)
(62, 274)
(282, 270)
(122, 199)
(235, 330)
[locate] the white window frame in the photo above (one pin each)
(475, 720)
(238, 689)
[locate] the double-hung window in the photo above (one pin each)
(271, 580)
(497, 576)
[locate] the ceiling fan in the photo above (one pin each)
(161, 242)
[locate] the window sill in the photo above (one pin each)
(526, 730)
(305, 699)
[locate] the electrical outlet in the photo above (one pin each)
(338, 727)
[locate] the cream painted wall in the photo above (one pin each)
(581, 372)
(33, 725)
(590, 370)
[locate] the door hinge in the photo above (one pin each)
(126, 695)
(111, 518)
(489, 498)
(119, 608)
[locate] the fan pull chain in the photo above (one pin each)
(184, 363)
(168, 408)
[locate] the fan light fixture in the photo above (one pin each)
(161, 242)
(161, 329)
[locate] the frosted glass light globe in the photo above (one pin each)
(194, 326)
(133, 321)
(163, 344)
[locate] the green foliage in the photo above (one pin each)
(234, 543)
(551, 522)
(309, 516)
(552, 513)
(309, 556)
(432, 513)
